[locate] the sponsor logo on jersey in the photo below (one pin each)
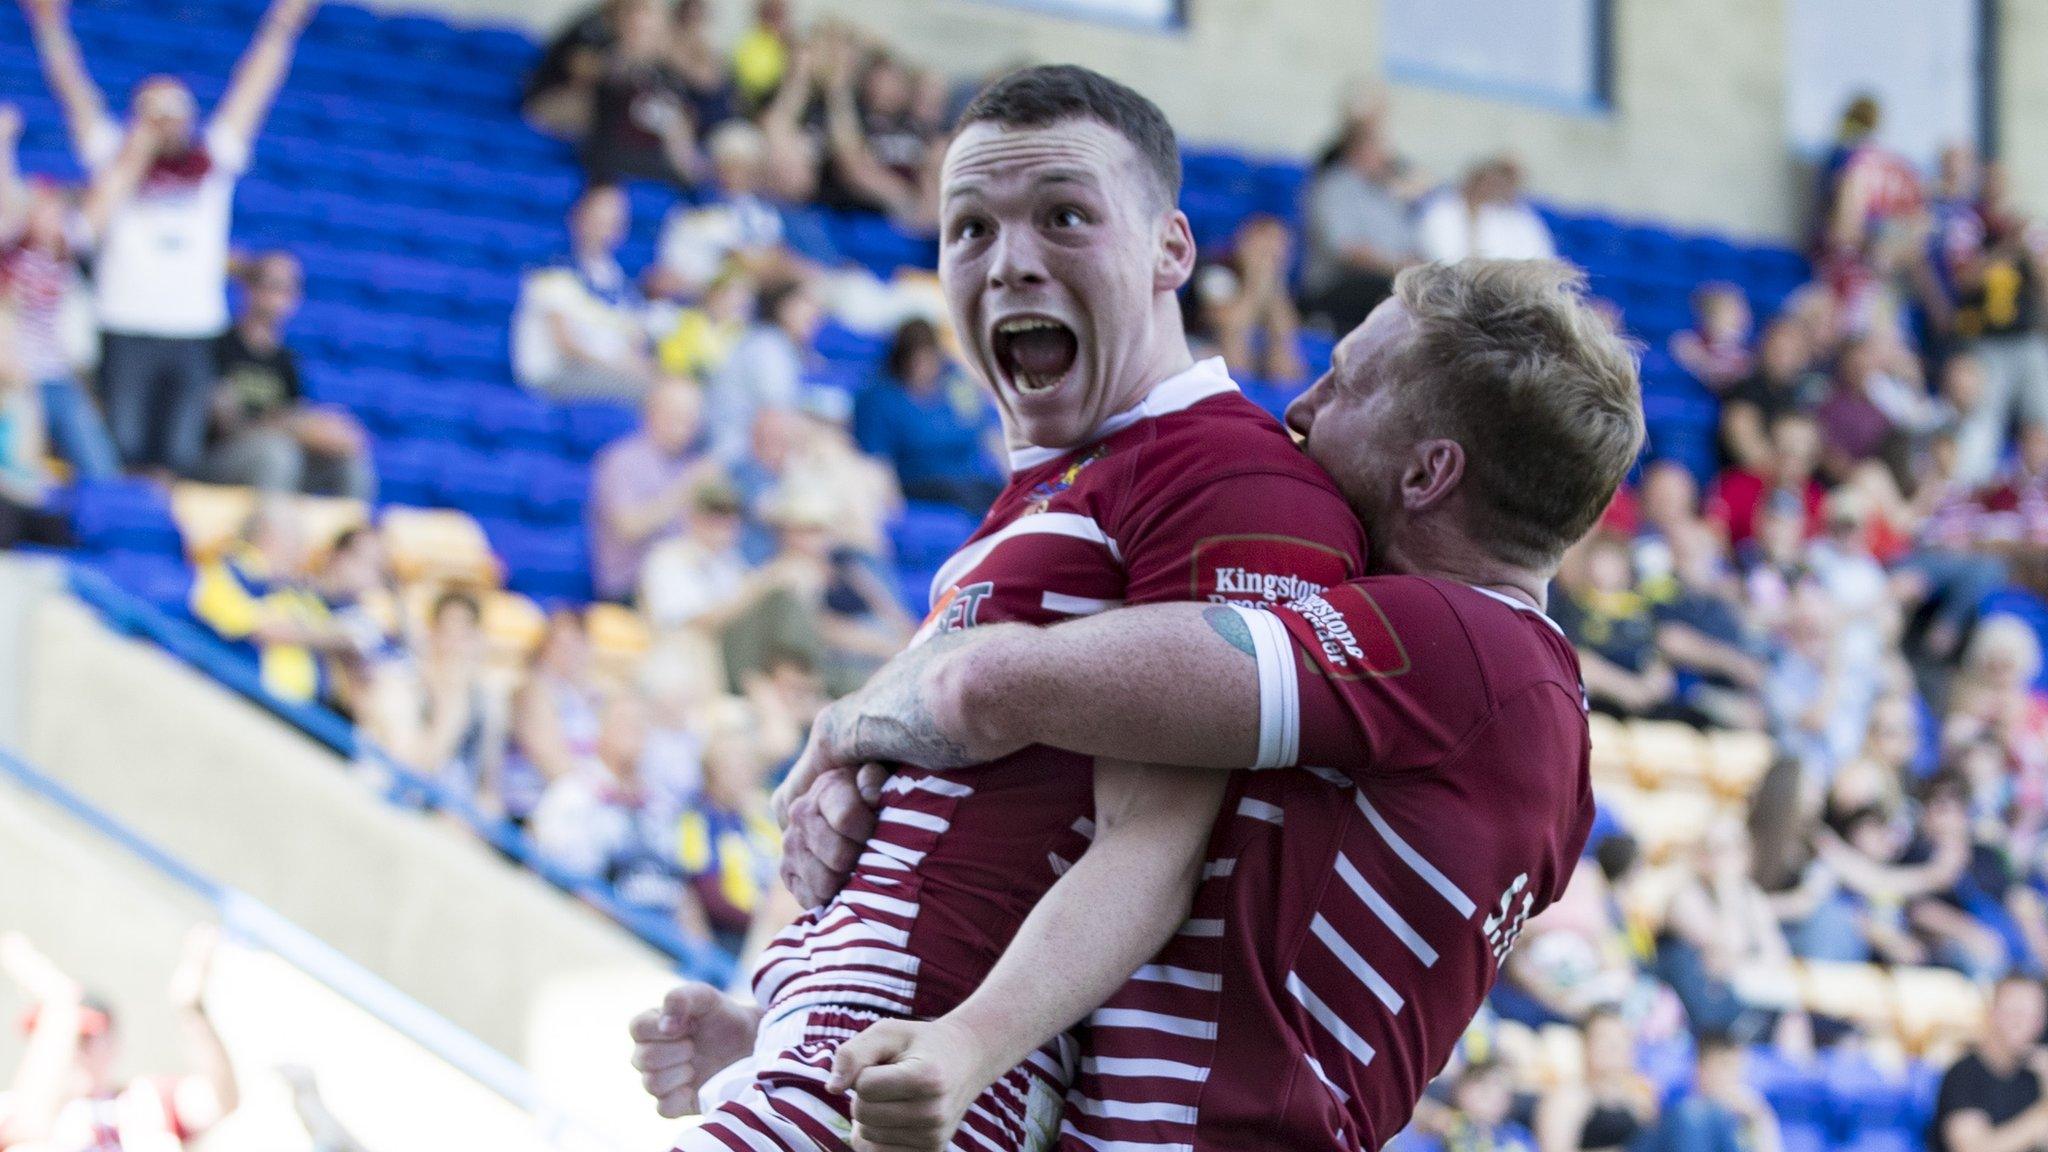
(1271, 587)
(1262, 570)
(1332, 630)
(1041, 494)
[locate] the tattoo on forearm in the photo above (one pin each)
(1231, 626)
(891, 719)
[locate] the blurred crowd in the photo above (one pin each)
(1881, 469)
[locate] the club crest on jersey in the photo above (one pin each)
(1041, 494)
(958, 608)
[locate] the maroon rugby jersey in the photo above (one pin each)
(1196, 494)
(1354, 911)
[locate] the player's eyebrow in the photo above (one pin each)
(1065, 176)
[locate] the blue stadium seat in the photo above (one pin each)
(555, 490)
(406, 471)
(484, 485)
(929, 533)
(508, 419)
(165, 582)
(548, 564)
(589, 426)
(124, 516)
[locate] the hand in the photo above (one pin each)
(912, 1083)
(45, 11)
(829, 826)
(677, 1047)
(329, 430)
(188, 983)
(10, 125)
(34, 972)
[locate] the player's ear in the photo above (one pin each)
(1176, 252)
(1435, 468)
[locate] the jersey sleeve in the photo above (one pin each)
(1375, 672)
(1257, 540)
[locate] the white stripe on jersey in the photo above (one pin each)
(1215, 868)
(897, 852)
(1152, 1022)
(1201, 928)
(1316, 1067)
(1183, 977)
(936, 785)
(888, 904)
(1414, 860)
(1070, 524)
(1385, 911)
(1367, 975)
(1118, 1110)
(1149, 1069)
(1068, 1131)
(924, 820)
(1260, 810)
(1330, 776)
(1076, 605)
(1331, 1022)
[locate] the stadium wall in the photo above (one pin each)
(235, 794)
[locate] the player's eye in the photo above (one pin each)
(1068, 216)
(970, 228)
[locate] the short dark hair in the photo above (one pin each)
(456, 598)
(1616, 853)
(1049, 93)
(774, 295)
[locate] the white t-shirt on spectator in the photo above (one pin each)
(1449, 231)
(162, 268)
(696, 242)
(578, 825)
(599, 308)
(682, 580)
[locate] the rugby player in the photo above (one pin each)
(1139, 476)
(1478, 423)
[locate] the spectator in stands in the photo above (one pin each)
(1610, 623)
(1359, 231)
(762, 476)
(699, 68)
(829, 466)
(256, 594)
(1993, 702)
(264, 434)
(1723, 951)
(1817, 699)
(580, 328)
(1998, 320)
(736, 230)
(678, 688)
(596, 820)
(1721, 1113)
(932, 423)
(558, 94)
(838, 595)
(698, 581)
(1716, 348)
(1783, 382)
(762, 56)
(727, 841)
(1990, 1099)
(162, 265)
(881, 158)
(1482, 1101)
(555, 715)
(642, 127)
(1610, 1106)
(767, 369)
(356, 583)
(24, 486)
(1738, 494)
(1704, 635)
(1484, 217)
(38, 276)
(1240, 306)
(704, 334)
(442, 716)
(641, 485)
(65, 1094)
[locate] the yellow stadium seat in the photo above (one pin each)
(1669, 821)
(1610, 752)
(513, 624)
(617, 635)
(1861, 993)
(439, 545)
(1664, 751)
(210, 516)
(1937, 1007)
(1737, 762)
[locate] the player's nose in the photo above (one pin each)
(1016, 261)
(1301, 411)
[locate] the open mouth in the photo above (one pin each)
(1035, 352)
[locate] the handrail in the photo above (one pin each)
(245, 918)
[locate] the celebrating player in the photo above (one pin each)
(1139, 476)
(1478, 424)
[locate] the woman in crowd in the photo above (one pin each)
(932, 424)
(555, 714)
(438, 713)
(1611, 1106)
(1722, 950)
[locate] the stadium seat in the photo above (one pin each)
(618, 637)
(209, 516)
(927, 534)
(124, 516)
(588, 427)
(438, 544)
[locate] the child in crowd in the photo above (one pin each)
(1716, 349)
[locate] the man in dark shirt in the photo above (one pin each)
(1990, 1100)
(262, 434)
(1998, 320)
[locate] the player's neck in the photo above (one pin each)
(1460, 561)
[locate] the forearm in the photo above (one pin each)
(210, 1060)
(1174, 683)
(262, 69)
(1113, 911)
(64, 69)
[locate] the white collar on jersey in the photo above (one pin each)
(1207, 378)
(1518, 606)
